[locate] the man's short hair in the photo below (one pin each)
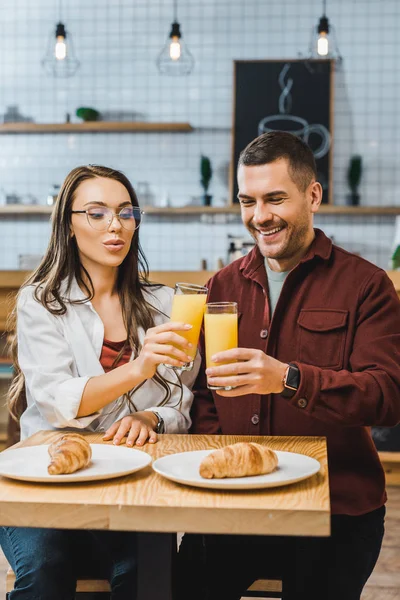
(274, 145)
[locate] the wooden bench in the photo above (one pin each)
(265, 588)
(85, 587)
(391, 465)
(262, 588)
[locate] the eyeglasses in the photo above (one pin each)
(100, 217)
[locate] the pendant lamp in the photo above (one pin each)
(60, 59)
(323, 39)
(175, 58)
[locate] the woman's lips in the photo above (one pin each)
(114, 246)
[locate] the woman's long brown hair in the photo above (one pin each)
(61, 262)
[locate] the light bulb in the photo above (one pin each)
(60, 48)
(323, 44)
(175, 48)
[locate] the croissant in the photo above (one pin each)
(68, 454)
(239, 460)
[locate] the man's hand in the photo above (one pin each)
(254, 372)
(138, 428)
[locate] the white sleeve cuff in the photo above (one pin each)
(66, 402)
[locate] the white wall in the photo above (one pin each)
(117, 42)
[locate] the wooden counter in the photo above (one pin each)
(10, 281)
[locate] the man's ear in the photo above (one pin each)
(316, 196)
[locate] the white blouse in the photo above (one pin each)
(59, 354)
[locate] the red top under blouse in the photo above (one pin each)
(110, 351)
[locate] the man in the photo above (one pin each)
(319, 337)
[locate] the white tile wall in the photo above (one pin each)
(117, 42)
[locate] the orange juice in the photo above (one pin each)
(189, 308)
(221, 333)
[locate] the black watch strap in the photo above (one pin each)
(291, 381)
(160, 425)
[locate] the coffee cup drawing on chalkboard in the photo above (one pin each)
(292, 123)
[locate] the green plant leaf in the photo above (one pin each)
(205, 172)
(354, 172)
(396, 258)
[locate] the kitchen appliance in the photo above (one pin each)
(238, 247)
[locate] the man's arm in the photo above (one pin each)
(366, 394)
(369, 392)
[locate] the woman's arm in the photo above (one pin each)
(158, 347)
(140, 426)
(67, 400)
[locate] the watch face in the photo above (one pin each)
(292, 379)
(292, 382)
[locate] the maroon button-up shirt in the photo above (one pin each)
(338, 320)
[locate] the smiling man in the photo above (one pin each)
(319, 354)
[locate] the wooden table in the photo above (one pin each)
(147, 502)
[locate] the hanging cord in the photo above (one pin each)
(175, 11)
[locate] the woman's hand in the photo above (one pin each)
(159, 346)
(138, 428)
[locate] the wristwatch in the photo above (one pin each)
(291, 381)
(160, 425)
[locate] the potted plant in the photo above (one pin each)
(206, 175)
(396, 258)
(354, 173)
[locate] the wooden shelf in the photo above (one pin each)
(94, 127)
(36, 209)
(327, 209)
(235, 210)
(25, 209)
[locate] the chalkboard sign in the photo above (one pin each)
(288, 95)
(387, 438)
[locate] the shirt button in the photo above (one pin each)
(255, 419)
(302, 402)
(264, 333)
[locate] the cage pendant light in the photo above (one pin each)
(60, 59)
(175, 57)
(323, 39)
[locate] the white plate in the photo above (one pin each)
(184, 468)
(30, 464)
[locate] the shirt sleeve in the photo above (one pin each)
(204, 413)
(368, 392)
(176, 412)
(46, 361)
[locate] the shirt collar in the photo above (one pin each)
(72, 292)
(251, 265)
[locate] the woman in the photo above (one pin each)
(92, 335)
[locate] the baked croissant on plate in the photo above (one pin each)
(239, 460)
(68, 454)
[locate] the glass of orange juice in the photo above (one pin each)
(221, 332)
(188, 307)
